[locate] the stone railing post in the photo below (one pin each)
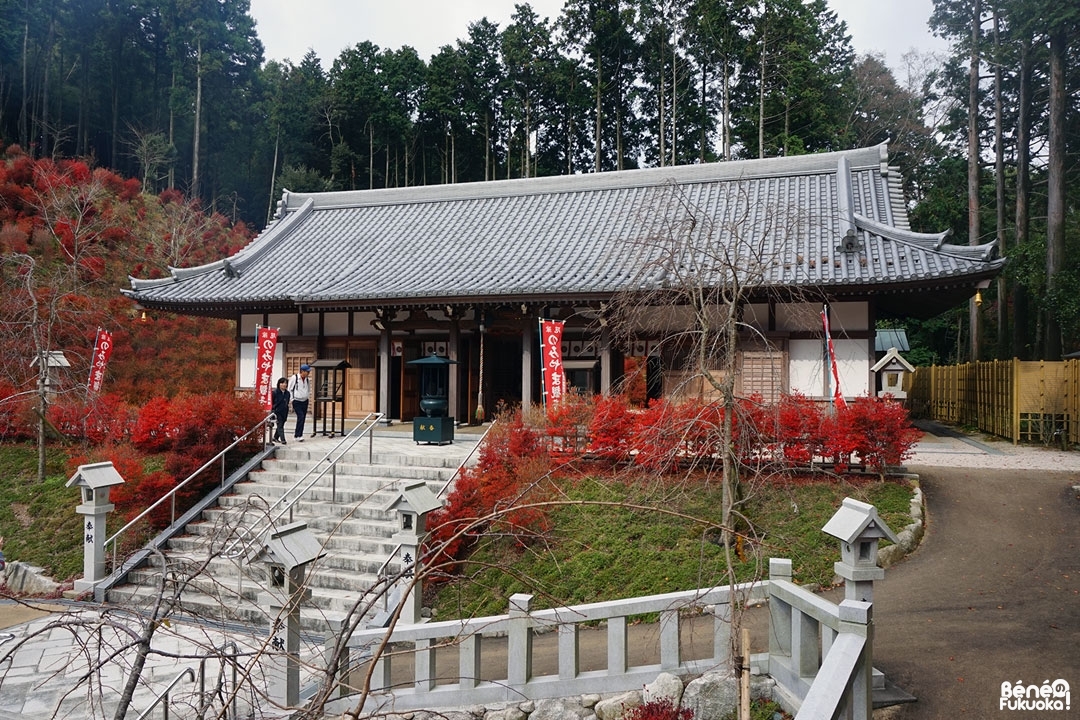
(519, 641)
(779, 611)
(856, 617)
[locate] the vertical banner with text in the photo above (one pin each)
(551, 364)
(103, 346)
(837, 396)
(265, 347)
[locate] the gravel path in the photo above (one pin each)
(942, 446)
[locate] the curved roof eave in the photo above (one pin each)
(927, 241)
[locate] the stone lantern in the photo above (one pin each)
(287, 552)
(94, 481)
(857, 525)
(54, 360)
(412, 506)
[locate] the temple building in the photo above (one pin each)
(630, 261)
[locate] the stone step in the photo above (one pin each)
(228, 607)
(342, 553)
(308, 456)
(350, 522)
(321, 494)
(332, 534)
(306, 509)
(299, 468)
(329, 575)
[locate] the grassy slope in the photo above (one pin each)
(595, 553)
(38, 521)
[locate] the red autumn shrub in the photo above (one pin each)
(511, 459)
(799, 428)
(667, 434)
(880, 431)
(611, 429)
(660, 709)
(151, 432)
(655, 437)
(566, 423)
(97, 420)
(16, 414)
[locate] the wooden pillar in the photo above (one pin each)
(452, 353)
(528, 360)
(385, 345)
(606, 362)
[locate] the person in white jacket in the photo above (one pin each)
(300, 390)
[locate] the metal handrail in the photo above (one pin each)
(165, 694)
(171, 495)
(466, 460)
(381, 572)
(235, 673)
(240, 545)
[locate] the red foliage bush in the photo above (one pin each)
(566, 423)
(611, 428)
(16, 414)
(879, 431)
(512, 458)
(96, 420)
(661, 709)
(151, 432)
(766, 438)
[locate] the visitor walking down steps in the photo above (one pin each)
(300, 389)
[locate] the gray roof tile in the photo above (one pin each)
(583, 236)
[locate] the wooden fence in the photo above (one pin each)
(1024, 401)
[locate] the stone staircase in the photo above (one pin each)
(347, 513)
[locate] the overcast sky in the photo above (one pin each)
(288, 28)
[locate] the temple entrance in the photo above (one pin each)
(502, 372)
(361, 379)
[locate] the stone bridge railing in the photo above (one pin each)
(820, 654)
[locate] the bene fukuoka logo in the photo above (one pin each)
(1048, 696)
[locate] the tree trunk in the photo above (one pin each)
(172, 129)
(198, 122)
(1023, 184)
(999, 196)
(761, 104)
(596, 150)
(24, 124)
(1055, 188)
(973, 165)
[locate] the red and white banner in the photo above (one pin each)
(551, 332)
(837, 396)
(265, 347)
(103, 346)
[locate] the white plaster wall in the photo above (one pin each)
(247, 365)
(284, 322)
(336, 324)
(248, 324)
(807, 365)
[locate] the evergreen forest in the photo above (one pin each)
(177, 95)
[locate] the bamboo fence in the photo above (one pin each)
(1024, 401)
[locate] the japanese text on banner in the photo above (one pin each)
(265, 347)
(103, 347)
(551, 333)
